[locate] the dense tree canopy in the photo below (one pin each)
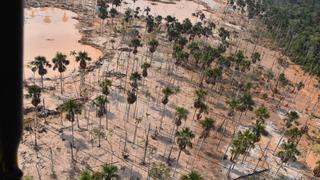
(294, 26)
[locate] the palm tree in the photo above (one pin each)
(246, 103)
(100, 102)
(316, 170)
(292, 117)
(255, 57)
(193, 175)
(145, 66)
(35, 92)
(167, 92)
(60, 62)
(203, 108)
(207, 125)
(39, 63)
(147, 10)
(159, 171)
(240, 146)
(153, 44)
(150, 24)
(72, 107)
(137, 122)
(262, 113)
(293, 135)
(103, 14)
(82, 57)
(181, 114)
(213, 75)
(113, 13)
(109, 172)
(200, 93)
(288, 152)
(233, 104)
(135, 43)
(134, 77)
(105, 85)
(184, 140)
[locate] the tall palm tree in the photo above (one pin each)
(288, 152)
(103, 14)
(203, 108)
(134, 77)
(113, 13)
(246, 103)
(293, 135)
(82, 57)
(135, 43)
(109, 172)
(181, 114)
(240, 145)
(40, 63)
(100, 102)
(291, 117)
(60, 62)
(105, 85)
(262, 113)
(166, 92)
(200, 97)
(184, 140)
(35, 92)
(207, 125)
(145, 66)
(193, 175)
(72, 107)
(153, 44)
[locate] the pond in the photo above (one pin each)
(48, 30)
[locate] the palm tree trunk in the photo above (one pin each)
(42, 82)
(146, 146)
(175, 169)
(135, 133)
(35, 129)
(263, 153)
(99, 141)
(274, 151)
(222, 135)
(194, 114)
(106, 116)
(162, 117)
(280, 166)
(61, 79)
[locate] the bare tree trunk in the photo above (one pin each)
(146, 146)
(175, 169)
(274, 151)
(162, 117)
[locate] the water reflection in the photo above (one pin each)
(65, 17)
(47, 19)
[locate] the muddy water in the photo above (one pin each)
(48, 30)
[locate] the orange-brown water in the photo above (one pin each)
(48, 30)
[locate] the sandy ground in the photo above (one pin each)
(54, 153)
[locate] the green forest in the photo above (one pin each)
(294, 25)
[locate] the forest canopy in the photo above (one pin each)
(294, 25)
